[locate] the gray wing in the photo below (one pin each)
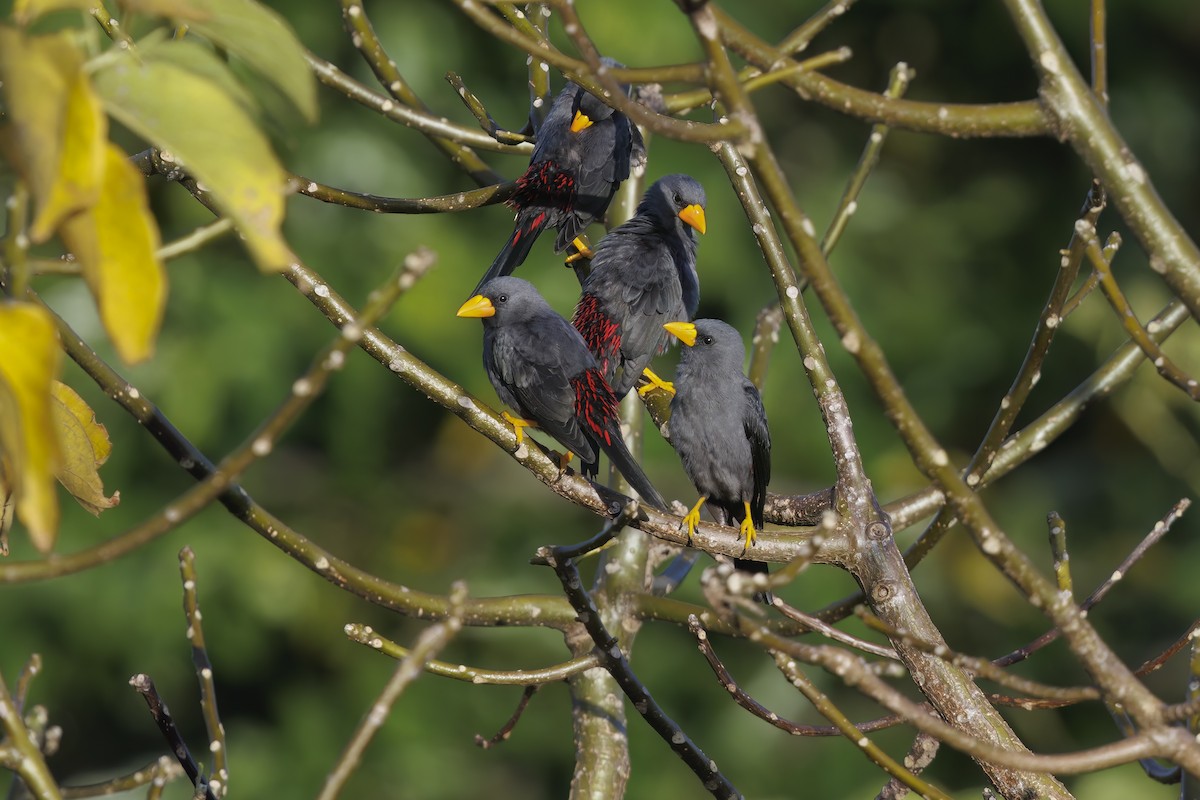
(634, 275)
(531, 366)
(754, 421)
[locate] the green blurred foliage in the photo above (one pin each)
(948, 261)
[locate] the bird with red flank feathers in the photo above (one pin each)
(643, 276)
(584, 151)
(541, 368)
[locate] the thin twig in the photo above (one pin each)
(160, 772)
(609, 650)
(1058, 550)
(820, 626)
(900, 77)
(798, 40)
(1139, 335)
(218, 780)
(480, 112)
(431, 641)
(427, 124)
(1073, 302)
(758, 709)
(852, 671)
(1027, 375)
(1084, 122)
(1156, 663)
(195, 240)
(362, 34)
(144, 686)
(32, 668)
(753, 80)
(506, 731)
(458, 201)
(981, 667)
(1149, 540)
(366, 635)
(20, 752)
(872, 751)
(1026, 118)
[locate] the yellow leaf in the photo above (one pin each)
(85, 446)
(264, 40)
(35, 74)
(212, 137)
(181, 10)
(81, 160)
(115, 242)
(26, 10)
(29, 358)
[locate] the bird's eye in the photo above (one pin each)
(502, 298)
(708, 340)
(678, 199)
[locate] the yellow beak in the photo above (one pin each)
(477, 306)
(683, 331)
(580, 122)
(694, 215)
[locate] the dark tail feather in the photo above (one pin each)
(746, 565)
(512, 255)
(669, 579)
(622, 459)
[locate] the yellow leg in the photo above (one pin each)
(582, 249)
(693, 518)
(519, 425)
(564, 461)
(748, 529)
(655, 382)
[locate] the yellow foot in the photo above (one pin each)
(582, 250)
(564, 460)
(748, 529)
(519, 425)
(693, 519)
(654, 382)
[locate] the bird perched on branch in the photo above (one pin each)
(541, 368)
(719, 428)
(584, 150)
(643, 275)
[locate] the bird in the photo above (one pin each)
(584, 151)
(541, 368)
(718, 426)
(643, 274)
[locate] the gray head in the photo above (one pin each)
(676, 202)
(504, 300)
(712, 344)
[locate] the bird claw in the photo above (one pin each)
(519, 425)
(582, 250)
(747, 530)
(654, 382)
(692, 519)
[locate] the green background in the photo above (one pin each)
(948, 261)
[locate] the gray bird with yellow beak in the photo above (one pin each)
(643, 275)
(719, 428)
(584, 151)
(541, 368)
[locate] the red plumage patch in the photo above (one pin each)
(544, 184)
(595, 404)
(534, 225)
(599, 332)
